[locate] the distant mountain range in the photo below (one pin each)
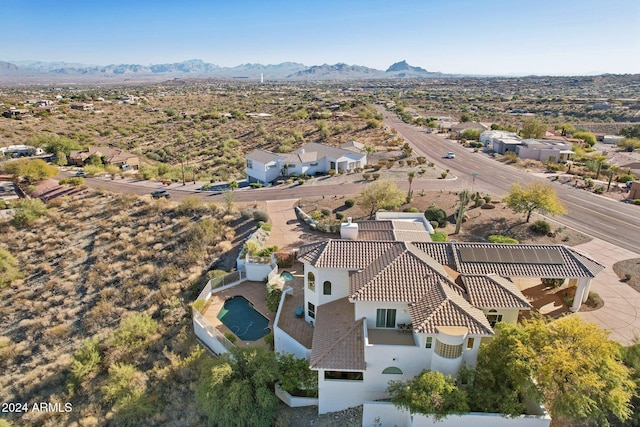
(197, 68)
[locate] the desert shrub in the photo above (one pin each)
(339, 215)
(434, 224)
(27, 211)
(625, 178)
(85, 361)
(480, 202)
(247, 213)
(75, 181)
(349, 203)
(443, 175)
(375, 176)
(325, 211)
(232, 338)
(488, 206)
(599, 190)
(273, 294)
(421, 160)
(190, 205)
(497, 238)
(636, 201)
(8, 268)
(266, 226)
(269, 339)
(316, 215)
(487, 198)
(123, 381)
(331, 172)
(256, 185)
(199, 305)
(439, 237)
(436, 214)
(260, 215)
(540, 227)
(134, 333)
(553, 282)
(366, 176)
(411, 209)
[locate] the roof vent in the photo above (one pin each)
(302, 151)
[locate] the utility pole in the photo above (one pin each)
(182, 158)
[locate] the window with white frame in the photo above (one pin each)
(249, 164)
(493, 317)
(386, 318)
(429, 343)
(470, 342)
(326, 288)
(311, 281)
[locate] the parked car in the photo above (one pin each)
(81, 174)
(161, 193)
(451, 155)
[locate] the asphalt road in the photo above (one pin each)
(615, 222)
(599, 216)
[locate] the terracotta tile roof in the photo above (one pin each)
(370, 225)
(379, 235)
(441, 252)
(343, 254)
(494, 292)
(338, 340)
(445, 307)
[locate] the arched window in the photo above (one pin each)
(311, 281)
(326, 288)
(392, 370)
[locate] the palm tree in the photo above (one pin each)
(411, 175)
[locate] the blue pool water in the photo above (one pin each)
(288, 277)
(243, 320)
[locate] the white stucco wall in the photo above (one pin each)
(509, 315)
(336, 395)
(283, 342)
(369, 309)
(339, 286)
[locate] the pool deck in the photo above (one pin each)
(296, 327)
(252, 291)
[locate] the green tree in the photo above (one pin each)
(576, 371)
(587, 137)
(631, 131)
(8, 268)
(30, 170)
(237, 389)
(295, 376)
(471, 134)
(436, 214)
(466, 117)
(27, 211)
(381, 195)
(54, 143)
(233, 185)
(537, 196)
(533, 128)
(629, 144)
(61, 158)
(429, 393)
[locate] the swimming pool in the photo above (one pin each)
(288, 277)
(243, 320)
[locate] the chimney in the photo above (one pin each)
(349, 230)
(302, 151)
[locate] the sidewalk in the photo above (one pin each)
(288, 232)
(620, 314)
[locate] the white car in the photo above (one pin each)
(451, 155)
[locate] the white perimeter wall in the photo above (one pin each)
(385, 414)
(336, 395)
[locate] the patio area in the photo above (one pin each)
(295, 326)
(390, 337)
(254, 292)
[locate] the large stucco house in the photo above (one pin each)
(265, 166)
(385, 310)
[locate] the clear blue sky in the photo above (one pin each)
(454, 36)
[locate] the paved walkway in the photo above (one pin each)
(621, 312)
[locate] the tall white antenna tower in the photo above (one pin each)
(261, 77)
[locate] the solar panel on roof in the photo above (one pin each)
(511, 255)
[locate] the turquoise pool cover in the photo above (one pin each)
(243, 320)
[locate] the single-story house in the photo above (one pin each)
(110, 156)
(264, 166)
(504, 140)
(544, 149)
(462, 126)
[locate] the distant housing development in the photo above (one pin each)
(109, 155)
(264, 166)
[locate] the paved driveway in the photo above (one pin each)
(288, 232)
(620, 313)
